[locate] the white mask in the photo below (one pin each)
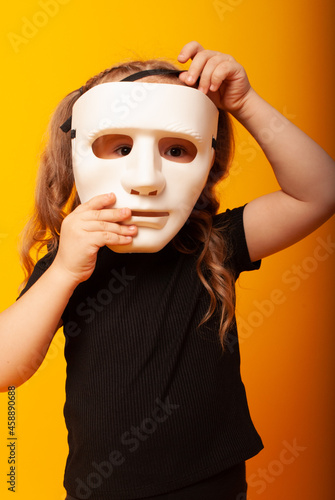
(151, 145)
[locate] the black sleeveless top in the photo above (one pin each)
(152, 402)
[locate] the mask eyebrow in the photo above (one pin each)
(179, 128)
(173, 127)
(106, 126)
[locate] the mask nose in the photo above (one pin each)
(143, 173)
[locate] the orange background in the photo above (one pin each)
(50, 47)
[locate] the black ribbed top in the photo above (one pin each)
(152, 403)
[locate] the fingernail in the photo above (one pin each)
(123, 211)
(189, 78)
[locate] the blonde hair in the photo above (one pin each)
(56, 197)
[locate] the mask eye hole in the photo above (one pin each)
(177, 149)
(112, 146)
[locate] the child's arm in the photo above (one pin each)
(305, 172)
(28, 326)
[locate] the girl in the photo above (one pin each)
(155, 403)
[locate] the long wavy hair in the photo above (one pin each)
(56, 197)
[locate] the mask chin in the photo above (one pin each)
(153, 234)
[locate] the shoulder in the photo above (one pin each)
(45, 262)
(230, 219)
(40, 267)
(231, 224)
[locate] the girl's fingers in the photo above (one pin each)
(108, 238)
(103, 226)
(120, 240)
(95, 209)
(196, 67)
(203, 65)
(107, 215)
(96, 240)
(189, 51)
(214, 71)
(223, 70)
(96, 234)
(97, 202)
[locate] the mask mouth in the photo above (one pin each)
(153, 220)
(138, 213)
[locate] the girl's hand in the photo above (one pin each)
(89, 227)
(221, 77)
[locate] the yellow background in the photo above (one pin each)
(286, 48)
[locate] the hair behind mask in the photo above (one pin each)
(56, 197)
